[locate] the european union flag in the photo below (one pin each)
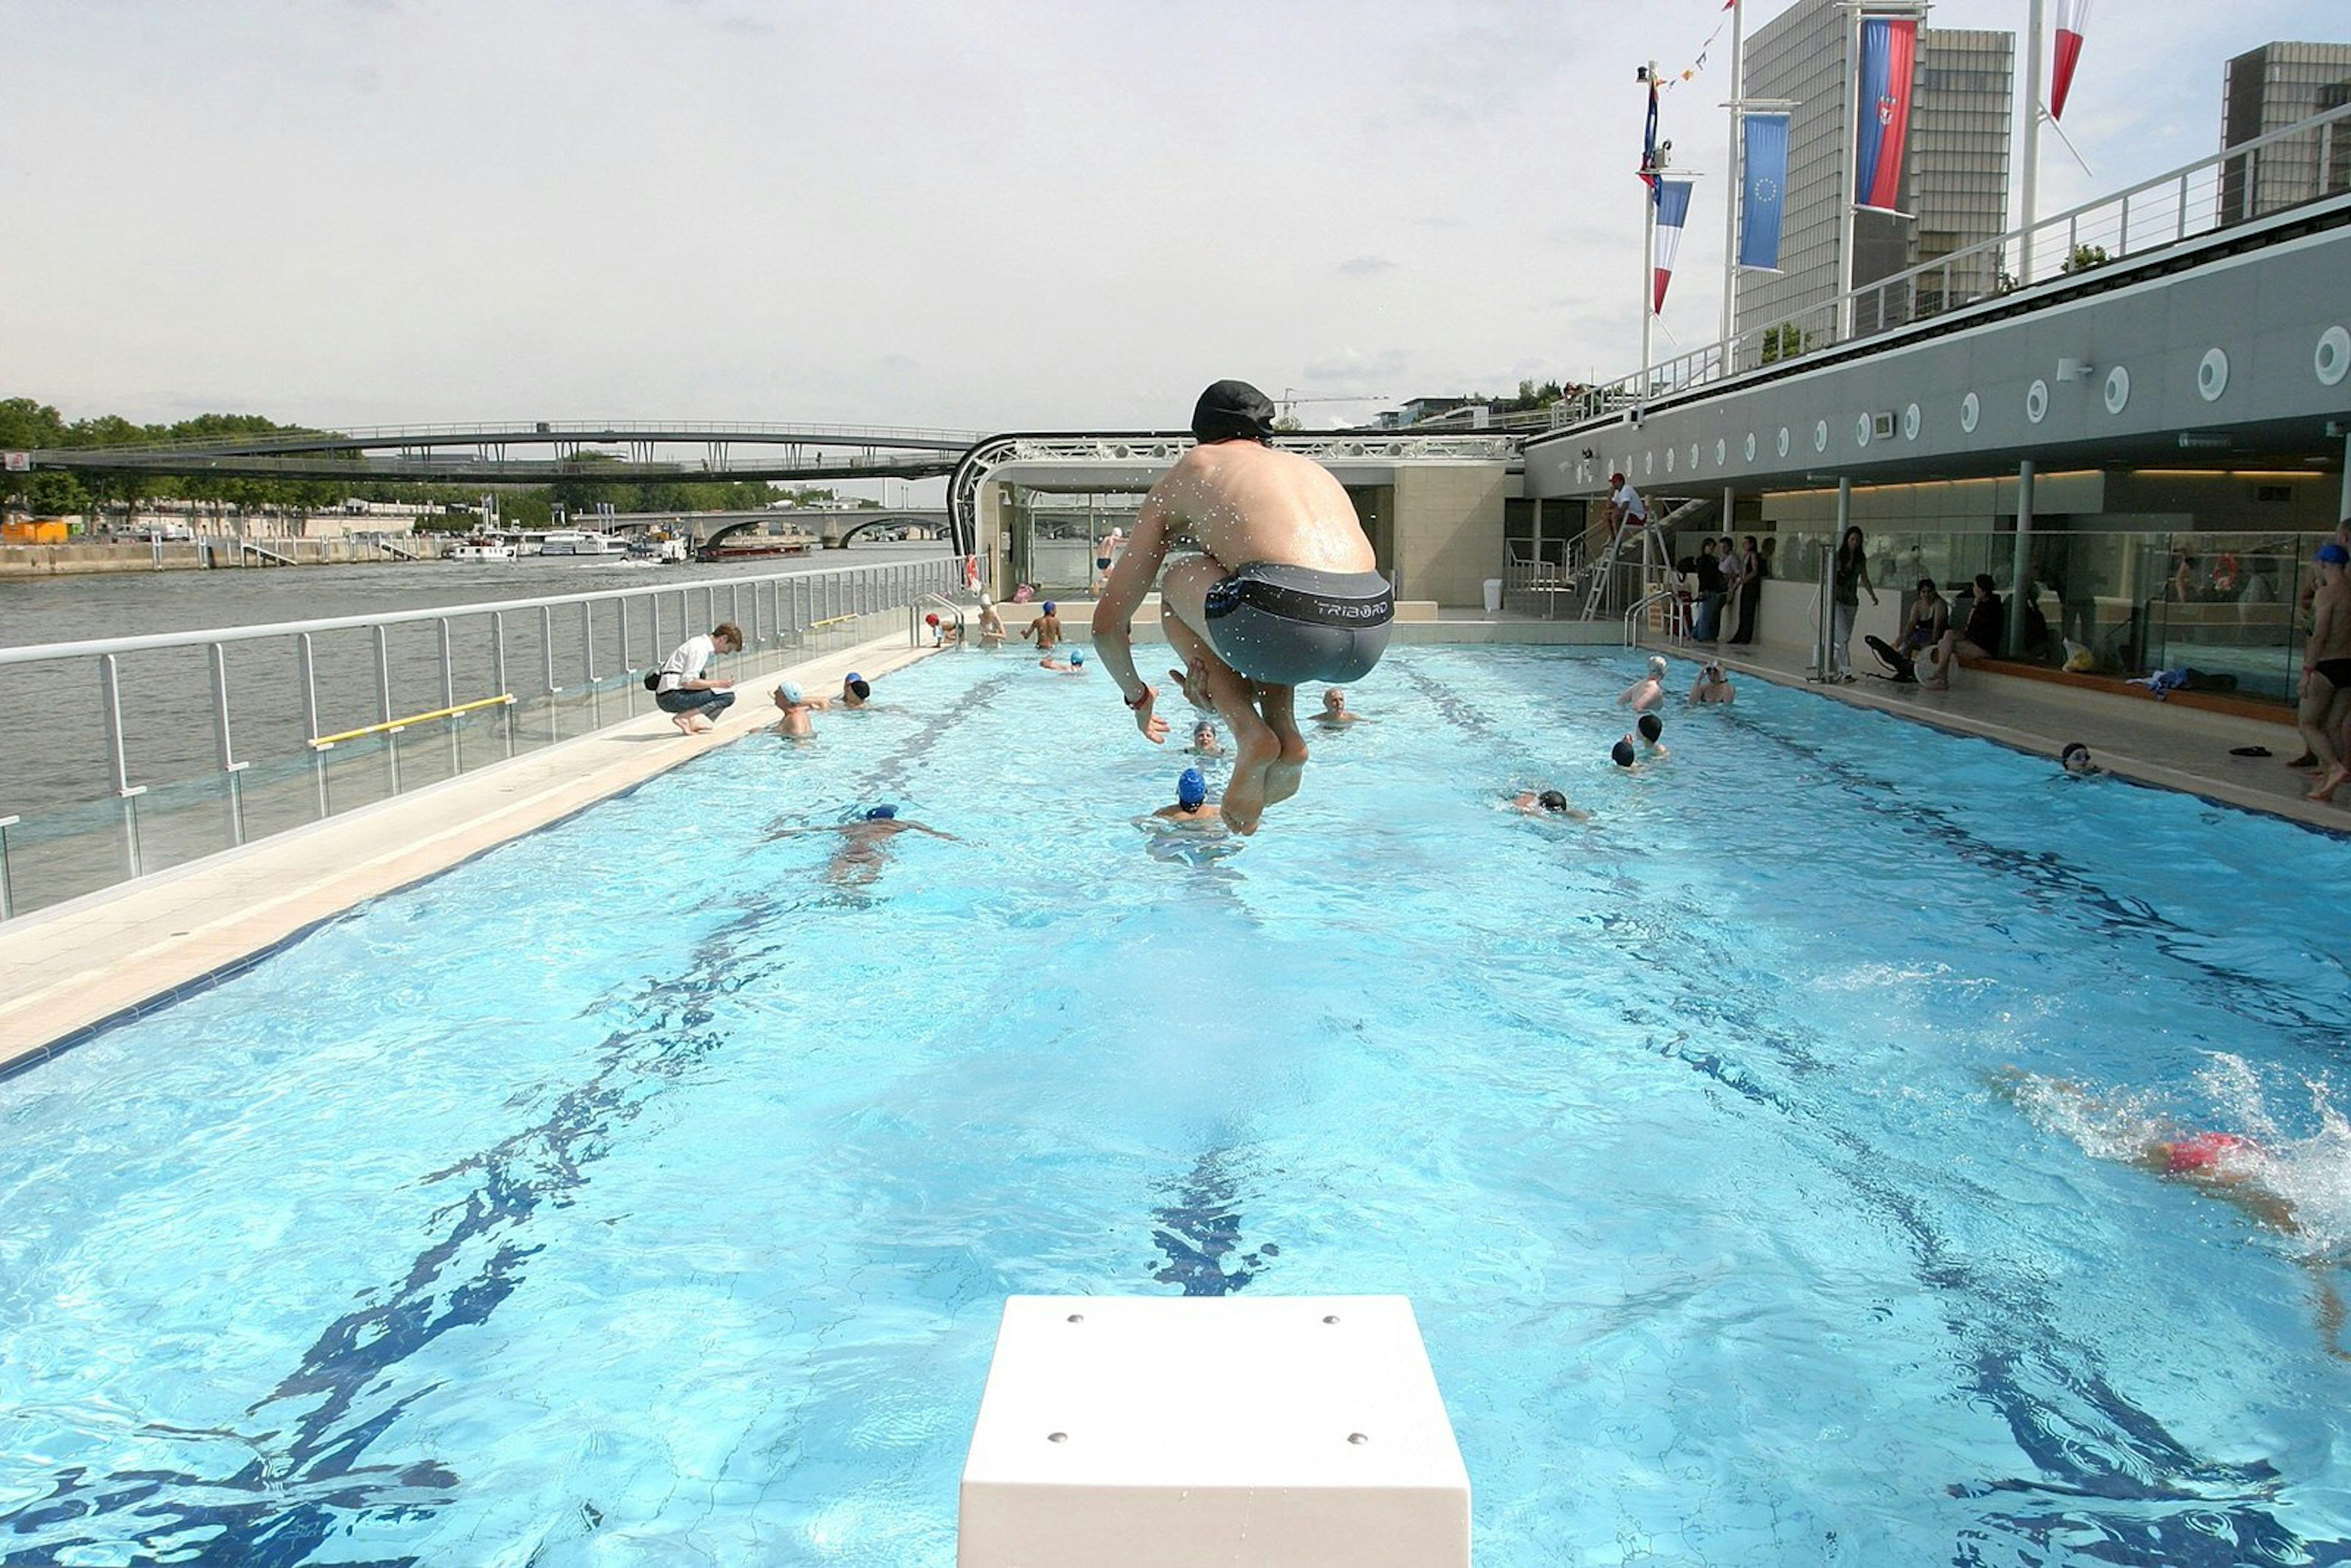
(1764, 160)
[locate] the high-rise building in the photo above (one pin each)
(1955, 164)
(2267, 90)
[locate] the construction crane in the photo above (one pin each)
(1291, 399)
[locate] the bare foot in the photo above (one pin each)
(1282, 775)
(2336, 777)
(685, 723)
(1246, 792)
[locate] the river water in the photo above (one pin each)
(56, 752)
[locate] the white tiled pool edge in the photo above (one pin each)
(64, 970)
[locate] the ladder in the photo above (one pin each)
(1656, 570)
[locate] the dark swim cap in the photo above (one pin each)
(882, 814)
(1192, 789)
(1651, 726)
(1551, 801)
(1621, 753)
(1232, 411)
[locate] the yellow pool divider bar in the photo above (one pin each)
(325, 741)
(831, 621)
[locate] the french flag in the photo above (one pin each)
(1889, 48)
(2073, 16)
(1673, 212)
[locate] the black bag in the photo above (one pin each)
(1904, 668)
(653, 679)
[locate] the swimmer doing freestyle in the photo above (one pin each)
(1271, 583)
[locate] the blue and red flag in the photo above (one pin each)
(1889, 49)
(1673, 211)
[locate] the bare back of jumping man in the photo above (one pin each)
(1270, 581)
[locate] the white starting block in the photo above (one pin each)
(1259, 1431)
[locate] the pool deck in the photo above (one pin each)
(67, 972)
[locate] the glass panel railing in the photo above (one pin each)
(2229, 609)
(156, 751)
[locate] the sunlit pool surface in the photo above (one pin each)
(1756, 1157)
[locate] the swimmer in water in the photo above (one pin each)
(1650, 727)
(1623, 755)
(1193, 809)
(1713, 686)
(799, 709)
(2075, 759)
(864, 843)
(1334, 709)
(1075, 665)
(1045, 629)
(1649, 690)
(1204, 740)
(2225, 1164)
(1548, 803)
(856, 691)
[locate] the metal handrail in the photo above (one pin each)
(391, 617)
(1643, 603)
(776, 609)
(1816, 329)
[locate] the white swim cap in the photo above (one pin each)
(983, 601)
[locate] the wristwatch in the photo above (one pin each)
(1139, 698)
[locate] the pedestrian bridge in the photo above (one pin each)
(539, 452)
(834, 528)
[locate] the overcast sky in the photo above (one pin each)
(1059, 215)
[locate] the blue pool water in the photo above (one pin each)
(1755, 1158)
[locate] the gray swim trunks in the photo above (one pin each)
(1286, 625)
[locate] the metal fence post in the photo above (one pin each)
(225, 750)
(110, 679)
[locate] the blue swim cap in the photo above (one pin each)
(882, 814)
(1193, 788)
(853, 675)
(1076, 659)
(1049, 607)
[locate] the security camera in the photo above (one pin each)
(1640, 73)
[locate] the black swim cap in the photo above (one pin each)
(1232, 411)
(1651, 726)
(1551, 801)
(1621, 753)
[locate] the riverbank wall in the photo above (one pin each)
(94, 556)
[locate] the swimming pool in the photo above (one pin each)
(647, 1190)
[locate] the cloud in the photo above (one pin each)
(1350, 366)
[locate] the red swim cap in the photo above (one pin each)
(2203, 1152)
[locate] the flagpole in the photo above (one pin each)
(1653, 169)
(1847, 205)
(1736, 192)
(2029, 184)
